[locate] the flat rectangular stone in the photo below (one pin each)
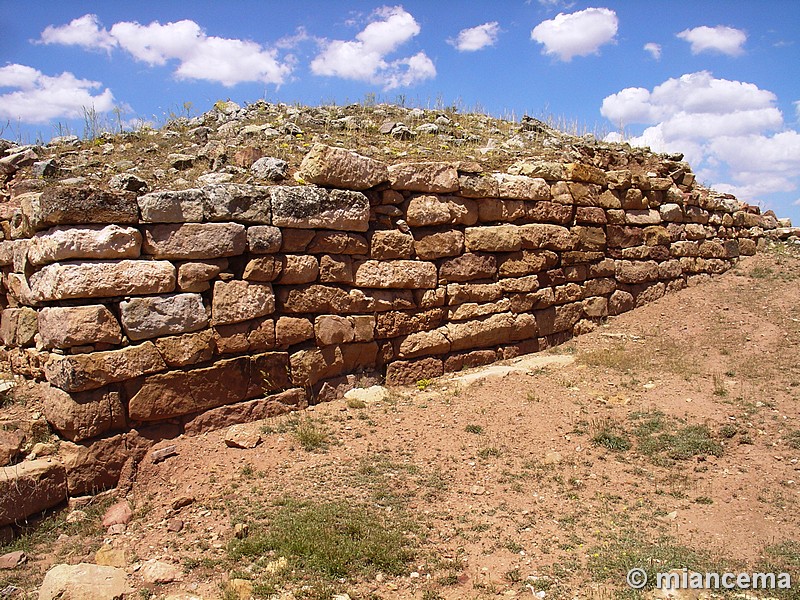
(249, 337)
(520, 187)
(341, 168)
(643, 217)
(93, 241)
(79, 372)
(433, 177)
(30, 487)
(491, 331)
(404, 274)
(102, 279)
(500, 238)
(186, 349)
(317, 298)
(237, 300)
(302, 207)
(546, 237)
(180, 206)
(228, 381)
(154, 316)
(195, 240)
(63, 205)
(237, 202)
(247, 412)
(67, 326)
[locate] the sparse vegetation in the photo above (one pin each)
(330, 540)
(312, 434)
(356, 403)
(610, 435)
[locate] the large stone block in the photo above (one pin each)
(468, 267)
(154, 316)
(228, 381)
(396, 323)
(257, 335)
(500, 238)
(237, 202)
(84, 581)
(334, 329)
(520, 187)
(82, 415)
(62, 205)
(430, 244)
(93, 241)
(317, 298)
(95, 465)
(304, 207)
(247, 412)
(18, 326)
(628, 271)
(298, 268)
(585, 173)
(491, 331)
(458, 293)
(408, 274)
(187, 349)
(478, 186)
(336, 242)
(180, 206)
(30, 487)
(527, 262)
(493, 210)
(546, 237)
(195, 240)
(79, 372)
(431, 177)
(312, 366)
(263, 268)
(101, 279)
(341, 168)
(264, 239)
(293, 330)
(237, 300)
(426, 211)
(423, 343)
(643, 217)
(390, 244)
(67, 326)
(408, 372)
(194, 276)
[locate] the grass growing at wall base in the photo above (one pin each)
(326, 541)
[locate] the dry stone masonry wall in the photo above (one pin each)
(197, 308)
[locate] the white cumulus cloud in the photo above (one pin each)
(476, 38)
(576, 34)
(654, 50)
(725, 40)
(199, 56)
(365, 57)
(39, 98)
(84, 31)
(731, 132)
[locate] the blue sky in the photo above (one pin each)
(716, 80)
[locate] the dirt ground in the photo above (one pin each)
(667, 438)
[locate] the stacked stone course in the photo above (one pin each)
(203, 307)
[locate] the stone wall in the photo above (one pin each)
(198, 308)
